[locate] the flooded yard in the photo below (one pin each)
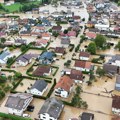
(24, 85)
(32, 51)
(38, 104)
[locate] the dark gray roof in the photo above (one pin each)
(39, 85)
(114, 58)
(53, 107)
(87, 116)
(17, 100)
(65, 41)
(109, 68)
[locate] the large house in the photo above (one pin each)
(76, 75)
(115, 60)
(83, 65)
(42, 71)
(38, 88)
(4, 56)
(17, 103)
(116, 105)
(25, 59)
(64, 86)
(51, 109)
(46, 58)
(84, 55)
(60, 51)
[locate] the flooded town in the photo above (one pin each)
(59, 59)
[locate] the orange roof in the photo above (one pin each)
(45, 35)
(88, 65)
(65, 83)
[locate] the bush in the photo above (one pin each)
(72, 47)
(12, 117)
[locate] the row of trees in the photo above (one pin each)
(98, 43)
(77, 100)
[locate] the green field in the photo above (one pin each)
(16, 7)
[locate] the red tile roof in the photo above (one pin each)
(65, 83)
(116, 102)
(41, 70)
(60, 50)
(82, 64)
(91, 35)
(84, 54)
(76, 75)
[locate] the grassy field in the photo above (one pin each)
(16, 7)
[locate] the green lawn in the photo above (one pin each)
(16, 7)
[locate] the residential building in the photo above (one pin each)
(18, 103)
(109, 68)
(87, 116)
(64, 86)
(84, 55)
(46, 58)
(38, 88)
(83, 66)
(42, 71)
(60, 51)
(25, 59)
(116, 104)
(56, 29)
(65, 41)
(90, 35)
(51, 109)
(76, 75)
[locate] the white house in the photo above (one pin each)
(64, 86)
(18, 103)
(116, 105)
(4, 56)
(51, 109)
(39, 87)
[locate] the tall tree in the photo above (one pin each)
(92, 48)
(100, 41)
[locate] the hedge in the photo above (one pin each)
(13, 117)
(44, 77)
(57, 68)
(72, 47)
(9, 65)
(51, 90)
(8, 70)
(68, 103)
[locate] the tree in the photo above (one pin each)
(78, 90)
(100, 71)
(2, 40)
(100, 41)
(92, 48)
(65, 31)
(118, 46)
(2, 94)
(23, 48)
(55, 34)
(17, 75)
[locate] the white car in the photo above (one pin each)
(26, 115)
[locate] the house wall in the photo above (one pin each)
(37, 92)
(21, 63)
(62, 93)
(84, 58)
(46, 116)
(20, 112)
(82, 69)
(116, 111)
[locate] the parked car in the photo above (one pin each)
(30, 108)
